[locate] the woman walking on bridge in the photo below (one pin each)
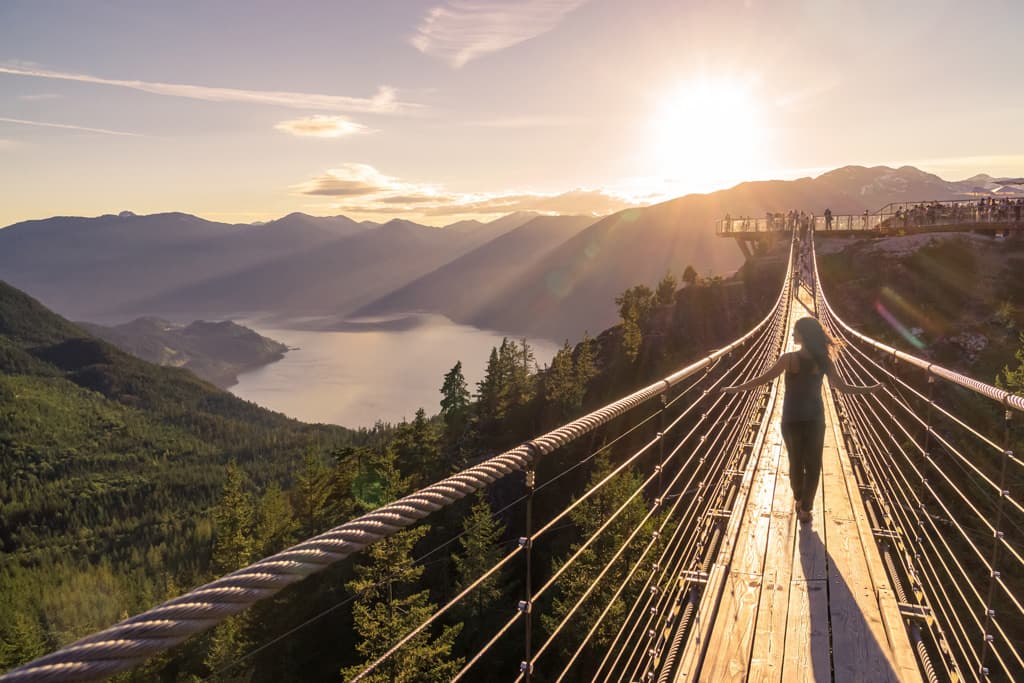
(803, 413)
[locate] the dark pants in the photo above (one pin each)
(804, 441)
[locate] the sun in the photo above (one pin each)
(706, 134)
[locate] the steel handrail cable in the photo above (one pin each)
(945, 413)
(1001, 396)
(963, 460)
(558, 518)
(893, 517)
(926, 557)
(494, 515)
(956, 562)
(676, 595)
(941, 410)
(720, 458)
(931, 368)
(916, 527)
(664, 567)
(679, 557)
(913, 538)
(964, 497)
(667, 517)
(963, 571)
(515, 618)
(952, 517)
(950, 448)
(670, 603)
(131, 641)
(670, 592)
(684, 556)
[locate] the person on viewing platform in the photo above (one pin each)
(803, 412)
(828, 219)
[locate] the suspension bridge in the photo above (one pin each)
(908, 571)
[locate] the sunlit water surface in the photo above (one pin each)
(354, 378)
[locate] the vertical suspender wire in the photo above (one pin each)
(997, 537)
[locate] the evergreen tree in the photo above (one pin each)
(523, 372)
(454, 395)
(234, 518)
(586, 365)
(416, 449)
(561, 383)
(690, 276)
(389, 607)
(480, 552)
(455, 408)
(666, 292)
(489, 389)
(588, 517)
(233, 548)
(1013, 380)
(22, 639)
(314, 499)
(634, 306)
(275, 521)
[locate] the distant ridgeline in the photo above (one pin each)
(117, 489)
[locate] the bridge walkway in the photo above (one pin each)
(790, 602)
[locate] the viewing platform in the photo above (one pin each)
(996, 216)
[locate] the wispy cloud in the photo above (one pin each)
(578, 201)
(39, 96)
(348, 180)
(365, 190)
(321, 126)
(384, 101)
(462, 30)
(68, 126)
(527, 122)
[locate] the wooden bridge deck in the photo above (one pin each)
(791, 602)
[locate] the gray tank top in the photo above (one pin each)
(803, 394)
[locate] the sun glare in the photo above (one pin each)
(706, 134)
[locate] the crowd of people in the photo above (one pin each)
(984, 210)
(910, 215)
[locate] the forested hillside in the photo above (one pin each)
(108, 468)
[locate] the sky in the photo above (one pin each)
(244, 111)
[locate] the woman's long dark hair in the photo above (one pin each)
(817, 343)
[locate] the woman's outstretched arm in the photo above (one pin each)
(772, 373)
(842, 387)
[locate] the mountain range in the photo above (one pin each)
(547, 276)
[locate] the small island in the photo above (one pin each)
(215, 351)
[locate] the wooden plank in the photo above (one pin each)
(770, 629)
(806, 656)
(728, 654)
(860, 647)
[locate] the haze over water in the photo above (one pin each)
(355, 378)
